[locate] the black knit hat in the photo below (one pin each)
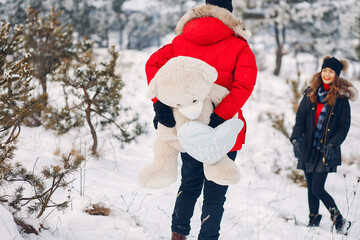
(221, 3)
(334, 64)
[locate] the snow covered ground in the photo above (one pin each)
(265, 205)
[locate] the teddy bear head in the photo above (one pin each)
(183, 90)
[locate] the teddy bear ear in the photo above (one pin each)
(209, 73)
(152, 90)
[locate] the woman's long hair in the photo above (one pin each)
(333, 93)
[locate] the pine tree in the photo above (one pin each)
(48, 42)
(42, 194)
(97, 89)
(16, 102)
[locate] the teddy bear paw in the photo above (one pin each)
(154, 176)
(224, 172)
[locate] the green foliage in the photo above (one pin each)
(16, 102)
(48, 42)
(42, 194)
(62, 120)
(97, 91)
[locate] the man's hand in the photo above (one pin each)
(215, 120)
(163, 114)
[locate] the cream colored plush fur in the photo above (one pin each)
(183, 82)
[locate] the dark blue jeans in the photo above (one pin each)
(192, 182)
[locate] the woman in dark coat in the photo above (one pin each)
(322, 123)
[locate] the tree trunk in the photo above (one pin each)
(278, 60)
(280, 48)
(88, 119)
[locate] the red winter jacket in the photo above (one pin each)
(213, 34)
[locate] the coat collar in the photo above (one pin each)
(348, 90)
(212, 11)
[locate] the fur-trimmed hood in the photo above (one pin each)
(209, 10)
(348, 90)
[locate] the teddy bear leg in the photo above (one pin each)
(224, 172)
(162, 171)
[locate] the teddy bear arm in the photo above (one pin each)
(162, 171)
(169, 135)
(217, 94)
(166, 134)
(224, 172)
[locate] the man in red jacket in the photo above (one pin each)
(214, 35)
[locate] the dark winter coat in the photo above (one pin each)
(337, 124)
(214, 35)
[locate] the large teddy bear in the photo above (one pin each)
(187, 85)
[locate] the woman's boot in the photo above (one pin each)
(314, 220)
(342, 225)
(177, 236)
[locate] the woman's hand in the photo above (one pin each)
(330, 152)
(297, 148)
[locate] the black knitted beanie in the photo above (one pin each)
(334, 64)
